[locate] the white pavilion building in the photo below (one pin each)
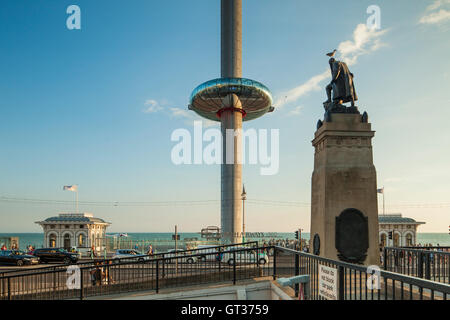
(404, 230)
(80, 230)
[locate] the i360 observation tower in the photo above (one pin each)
(231, 99)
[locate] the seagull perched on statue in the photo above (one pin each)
(331, 54)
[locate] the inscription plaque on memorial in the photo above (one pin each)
(316, 244)
(352, 236)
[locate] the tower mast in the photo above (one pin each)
(231, 122)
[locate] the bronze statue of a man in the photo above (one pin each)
(341, 84)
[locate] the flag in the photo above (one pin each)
(380, 190)
(71, 188)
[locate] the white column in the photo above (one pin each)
(231, 174)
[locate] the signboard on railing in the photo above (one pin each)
(328, 282)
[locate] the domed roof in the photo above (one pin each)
(396, 218)
(74, 219)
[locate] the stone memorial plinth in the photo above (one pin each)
(344, 212)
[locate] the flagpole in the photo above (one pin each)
(77, 199)
(384, 212)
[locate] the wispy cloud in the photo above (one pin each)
(437, 4)
(436, 17)
(294, 94)
(191, 116)
(364, 41)
(296, 111)
(181, 113)
(152, 106)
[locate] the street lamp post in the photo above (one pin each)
(243, 197)
(300, 238)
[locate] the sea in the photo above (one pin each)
(37, 239)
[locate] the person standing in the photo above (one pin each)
(150, 250)
(93, 255)
(108, 277)
(96, 274)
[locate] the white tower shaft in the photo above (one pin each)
(231, 122)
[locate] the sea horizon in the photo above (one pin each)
(37, 238)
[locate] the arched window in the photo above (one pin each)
(82, 240)
(52, 241)
(396, 240)
(409, 240)
(97, 240)
(67, 242)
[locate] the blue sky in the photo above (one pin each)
(73, 105)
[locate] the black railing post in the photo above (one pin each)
(427, 266)
(341, 283)
(297, 272)
(385, 257)
(420, 265)
(257, 257)
(9, 288)
(395, 261)
(81, 285)
(157, 275)
(54, 278)
(274, 263)
(234, 268)
(258, 265)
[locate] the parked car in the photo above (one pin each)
(17, 257)
(82, 251)
(208, 252)
(47, 255)
(129, 253)
(184, 257)
(244, 257)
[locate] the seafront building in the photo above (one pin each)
(80, 230)
(404, 230)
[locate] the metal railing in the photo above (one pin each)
(226, 264)
(201, 252)
(352, 280)
(438, 248)
(427, 264)
(151, 275)
(157, 244)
